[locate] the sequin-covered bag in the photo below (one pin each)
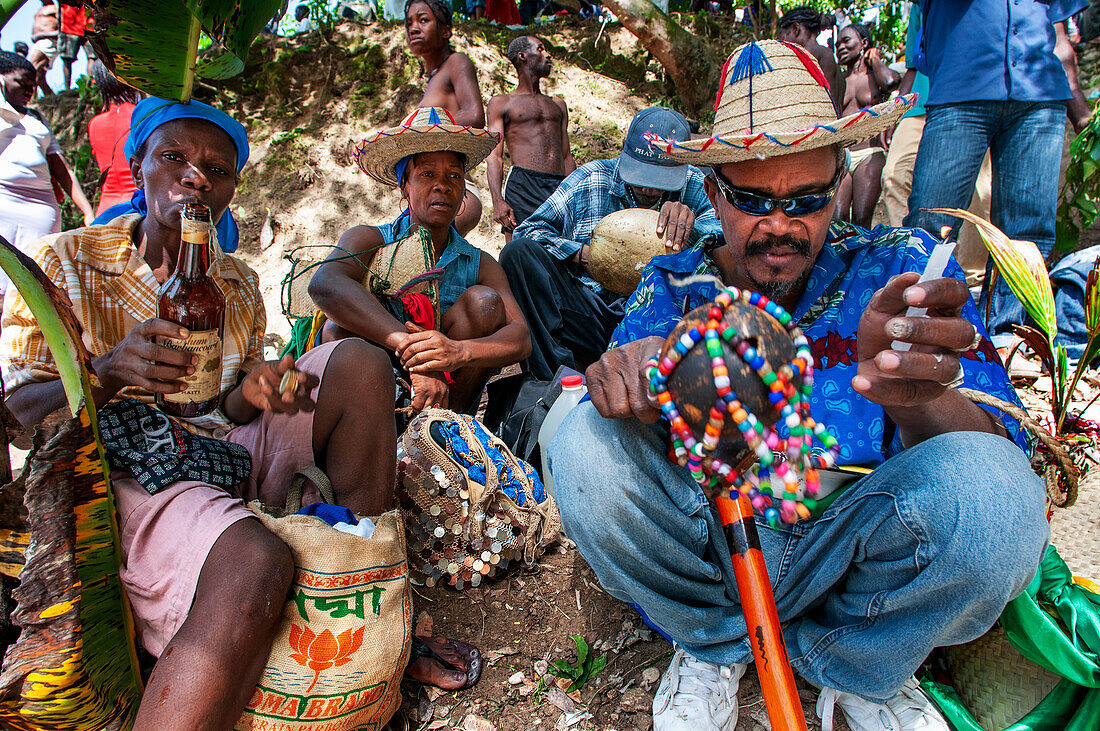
(472, 508)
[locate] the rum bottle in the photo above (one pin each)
(191, 298)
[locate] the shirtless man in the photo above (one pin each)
(452, 82)
(801, 26)
(536, 131)
(44, 29)
(868, 81)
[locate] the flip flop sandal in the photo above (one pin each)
(466, 651)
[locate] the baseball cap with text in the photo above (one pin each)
(640, 164)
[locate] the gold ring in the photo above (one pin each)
(958, 379)
(977, 339)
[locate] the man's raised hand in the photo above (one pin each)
(921, 375)
(617, 384)
(675, 222)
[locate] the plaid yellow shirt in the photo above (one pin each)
(113, 290)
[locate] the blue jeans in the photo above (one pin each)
(926, 551)
(1069, 277)
(1025, 142)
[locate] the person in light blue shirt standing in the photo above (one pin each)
(995, 82)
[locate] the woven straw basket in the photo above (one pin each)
(622, 244)
(998, 685)
(393, 266)
(304, 262)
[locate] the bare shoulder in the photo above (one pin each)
(823, 55)
(499, 101)
(489, 269)
(460, 63)
(358, 239)
(560, 101)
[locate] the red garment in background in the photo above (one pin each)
(107, 133)
(73, 19)
(504, 12)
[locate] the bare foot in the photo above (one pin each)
(445, 663)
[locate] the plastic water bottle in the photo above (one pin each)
(572, 391)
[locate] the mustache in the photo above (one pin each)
(762, 246)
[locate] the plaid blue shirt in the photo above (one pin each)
(565, 221)
(854, 264)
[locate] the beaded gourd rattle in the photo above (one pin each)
(762, 345)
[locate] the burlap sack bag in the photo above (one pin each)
(337, 661)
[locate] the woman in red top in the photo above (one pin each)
(107, 132)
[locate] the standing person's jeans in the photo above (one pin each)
(1025, 141)
(926, 551)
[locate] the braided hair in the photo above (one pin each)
(807, 16)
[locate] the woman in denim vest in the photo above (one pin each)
(481, 327)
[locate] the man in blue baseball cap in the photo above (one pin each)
(569, 314)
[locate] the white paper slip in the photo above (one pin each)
(937, 265)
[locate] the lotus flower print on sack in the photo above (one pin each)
(323, 651)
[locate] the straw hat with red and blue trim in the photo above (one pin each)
(427, 129)
(774, 100)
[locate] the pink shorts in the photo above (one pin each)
(166, 537)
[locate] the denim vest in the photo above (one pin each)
(460, 261)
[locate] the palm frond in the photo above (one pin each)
(9, 8)
(153, 44)
(1022, 265)
(75, 664)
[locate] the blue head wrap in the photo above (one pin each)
(399, 168)
(149, 114)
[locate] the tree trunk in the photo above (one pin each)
(691, 64)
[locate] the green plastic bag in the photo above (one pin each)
(1056, 624)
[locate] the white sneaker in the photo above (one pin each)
(697, 696)
(909, 710)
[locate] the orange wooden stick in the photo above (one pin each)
(761, 616)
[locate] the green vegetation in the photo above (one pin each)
(1077, 205)
(588, 665)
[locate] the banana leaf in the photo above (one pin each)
(74, 665)
(9, 8)
(153, 44)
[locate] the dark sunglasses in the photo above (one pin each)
(756, 204)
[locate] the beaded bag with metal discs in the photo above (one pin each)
(733, 380)
(471, 507)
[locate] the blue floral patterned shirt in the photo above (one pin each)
(853, 265)
(565, 221)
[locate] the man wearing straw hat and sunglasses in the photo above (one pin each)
(926, 549)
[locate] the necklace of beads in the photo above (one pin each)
(789, 389)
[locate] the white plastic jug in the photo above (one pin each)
(572, 391)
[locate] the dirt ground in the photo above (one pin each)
(523, 622)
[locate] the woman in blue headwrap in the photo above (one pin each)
(206, 581)
(148, 116)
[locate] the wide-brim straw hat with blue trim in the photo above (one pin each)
(774, 100)
(427, 129)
